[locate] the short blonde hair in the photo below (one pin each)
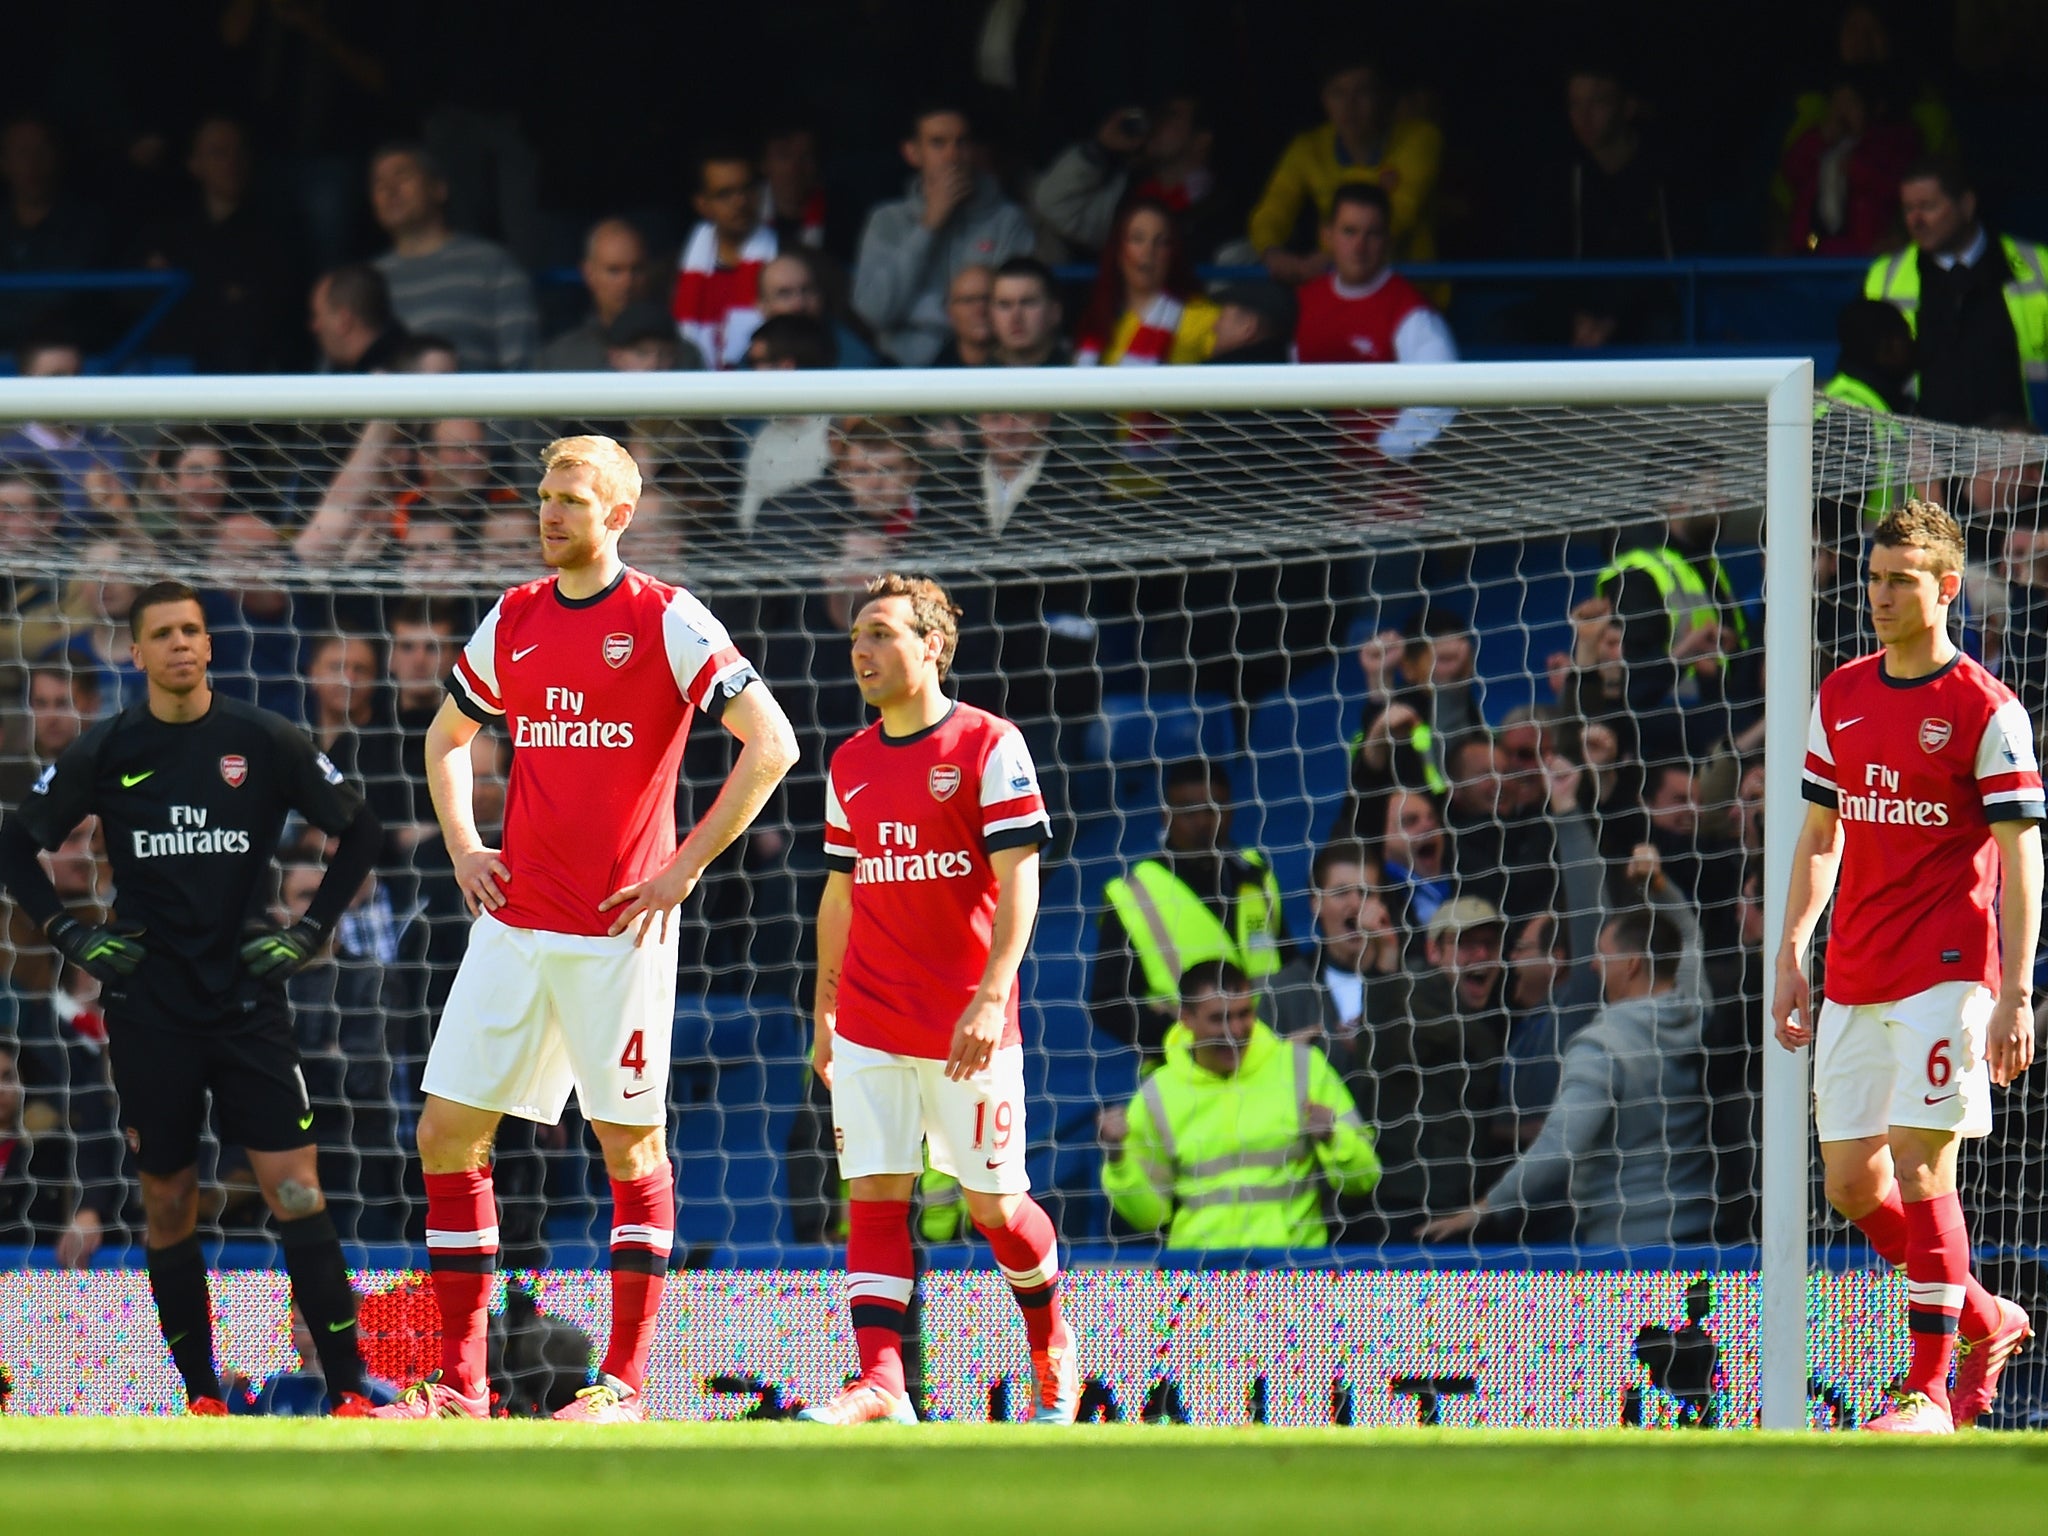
(616, 477)
(1923, 525)
(931, 610)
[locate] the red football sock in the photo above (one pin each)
(643, 1236)
(1937, 1265)
(1028, 1251)
(462, 1254)
(879, 1279)
(1885, 1227)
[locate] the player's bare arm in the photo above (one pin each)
(980, 1029)
(480, 872)
(767, 752)
(1815, 860)
(2009, 1036)
(835, 921)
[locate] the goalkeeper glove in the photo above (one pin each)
(281, 951)
(96, 949)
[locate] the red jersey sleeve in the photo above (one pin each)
(708, 668)
(2008, 776)
(474, 683)
(1012, 807)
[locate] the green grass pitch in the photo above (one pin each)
(74, 1476)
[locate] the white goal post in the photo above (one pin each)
(1781, 390)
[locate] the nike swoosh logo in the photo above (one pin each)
(847, 798)
(1843, 725)
(305, 1122)
(635, 1093)
(1940, 1098)
(341, 1327)
(130, 780)
(522, 655)
(998, 1163)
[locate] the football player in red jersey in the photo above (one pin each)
(1925, 797)
(570, 977)
(933, 825)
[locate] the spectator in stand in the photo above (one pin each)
(1612, 201)
(1025, 313)
(187, 490)
(1361, 142)
(255, 638)
(794, 284)
(1843, 173)
(788, 451)
(864, 513)
(1687, 646)
(1864, 51)
(1977, 301)
(30, 616)
(1733, 1043)
(458, 286)
(1415, 853)
(236, 317)
(641, 339)
(1504, 841)
(60, 702)
(1145, 308)
(616, 274)
(1254, 324)
(353, 323)
(1702, 862)
(1427, 1076)
(971, 341)
(716, 303)
(1625, 1146)
(341, 704)
(952, 216)
(1200, 899)
(1362, 311)
(1327, 995)
(88, 465)
(59, 1166)
(1874, 370)
(42, 228)
(1233, 1140)
(1161, 155)
(1421, 695)
(792, 191)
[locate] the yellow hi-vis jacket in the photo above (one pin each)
(1226, 1162)
(1171, 928)
(1896, 280)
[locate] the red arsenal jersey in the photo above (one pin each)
(913, 819)
(1917, 769)
(1338, 325)
(597, 695)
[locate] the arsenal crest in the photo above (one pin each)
(945, 779)
(1933, 735)
(234, 768)
(618, 648)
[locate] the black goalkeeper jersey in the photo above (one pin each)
(191, 815)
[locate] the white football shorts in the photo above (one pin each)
(533, 1013)
(1917, 1062)
(884, 1106)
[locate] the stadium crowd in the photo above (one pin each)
(1529, 1007)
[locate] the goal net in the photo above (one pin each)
(1418, 686)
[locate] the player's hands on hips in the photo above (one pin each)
(101, 952)
(2009, 1040)
(821, 1049)
(282, 951)
(1792, 1005)
(975, 1038)
(481, 876)
(657, 896)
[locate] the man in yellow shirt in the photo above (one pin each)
(1360, 142)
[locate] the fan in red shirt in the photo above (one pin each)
(1362, 311)
(1924, 794)
(933, 823)
(595, 672)
(717, 297)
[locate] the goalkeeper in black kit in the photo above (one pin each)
(192, 791)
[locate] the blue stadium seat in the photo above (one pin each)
(730, 1142)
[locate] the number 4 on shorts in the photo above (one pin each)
(634, 1057)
